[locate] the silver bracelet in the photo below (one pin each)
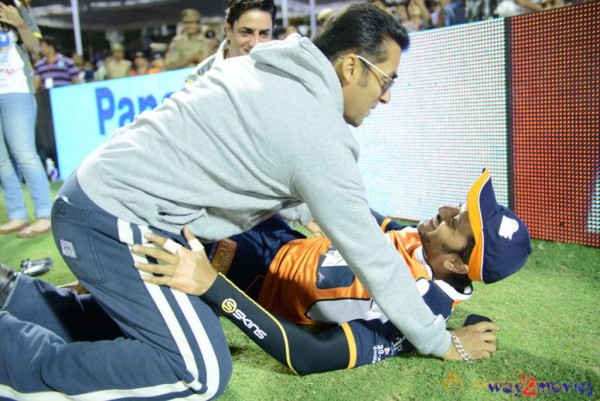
(461, 351)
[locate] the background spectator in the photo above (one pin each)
(141, 65)
(279, 33)
(117, 66)
(54, 69)
(550, 4)
(290, 29)
(190, 47)
(511, 8)
(322, 17)
(84, 66)
(414, 15)
(380, 4)
(479, 10)
(449, 12)
(157, 64)
(402, 14)
(211, 37)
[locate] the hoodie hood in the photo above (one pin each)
(299, 57)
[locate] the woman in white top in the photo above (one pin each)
(19, 34)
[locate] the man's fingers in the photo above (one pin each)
(172, 247)
(485, 326)
(188, 234)
(489, 338)
(168, 244)
(488, 347)
(195, 245)
(487, 351)
(167, 270)
(156, 253)
(157, 280)
(155, 238)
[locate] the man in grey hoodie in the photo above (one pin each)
(253, 136)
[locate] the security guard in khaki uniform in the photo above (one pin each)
(190, 47)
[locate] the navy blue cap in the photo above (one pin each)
(502, 241)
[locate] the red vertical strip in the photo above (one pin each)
(555, 91)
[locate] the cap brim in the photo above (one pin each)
(476, 219)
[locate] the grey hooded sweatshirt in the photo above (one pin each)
(254, 135)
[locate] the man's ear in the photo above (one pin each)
(347, 69)
(228, 32)
(455, 264)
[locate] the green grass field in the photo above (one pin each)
(549, 318)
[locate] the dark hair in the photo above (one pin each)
(235, 9)
(362, 28)
(51, 41)
(468, 250)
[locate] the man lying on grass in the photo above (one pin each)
(306, 281)
(443, 253)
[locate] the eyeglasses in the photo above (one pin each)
(387, 84)
(191, 22)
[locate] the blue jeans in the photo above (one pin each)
(17, 127)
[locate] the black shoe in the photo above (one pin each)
(7, 283)
(36, 270)
(36, 267)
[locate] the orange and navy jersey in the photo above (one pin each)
(308, 282)
(310, 272)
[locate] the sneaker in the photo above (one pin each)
(7, 283)
(40, 226)
(13, 226)
(36, 267)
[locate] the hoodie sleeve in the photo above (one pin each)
(330, 184)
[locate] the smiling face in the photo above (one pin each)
(362, 83)
(253, 27)
(444, 238)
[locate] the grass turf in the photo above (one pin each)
(549, 318)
